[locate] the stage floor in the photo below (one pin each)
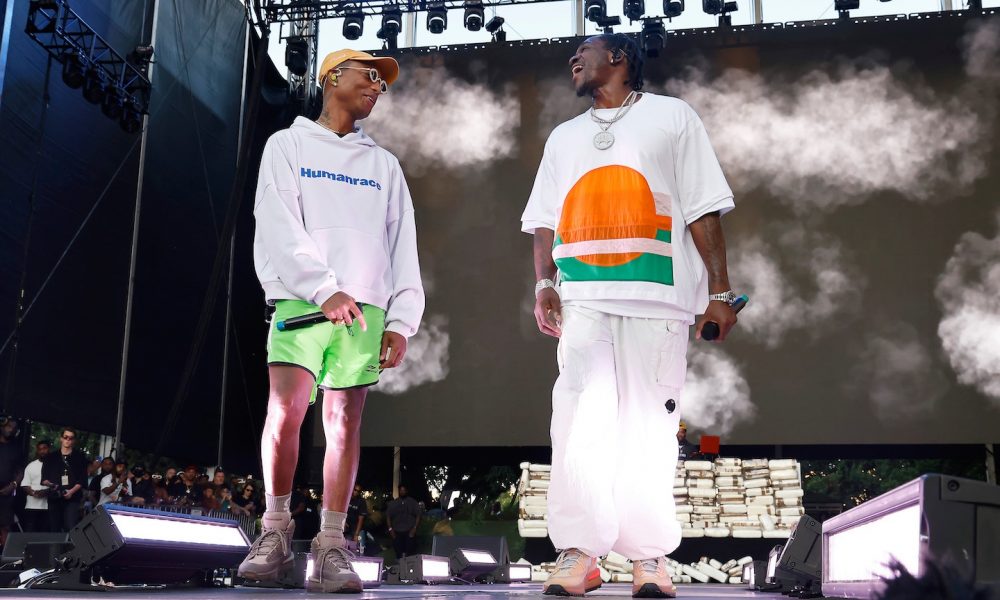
(415, 592)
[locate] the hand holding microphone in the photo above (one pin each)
(710, 330)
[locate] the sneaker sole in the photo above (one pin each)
(274, 574)
(558, 590)
(349, 587)
(651, 590)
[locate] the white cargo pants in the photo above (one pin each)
(615, 413)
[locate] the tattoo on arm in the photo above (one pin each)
(545, 267)
(711, 243)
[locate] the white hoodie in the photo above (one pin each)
(334, 215)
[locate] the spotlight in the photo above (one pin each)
(718, 7)
(673, 8)
(354, 23)
(297, 55)
(141, 546)
(932, 517)
(437, 16)
(369, 569)
(843, 6)
(113, 103)
(475, 15)
(596, 10)
(72, 72)
(424, 568)
(513, 572)
(495, 27)
(754, 573)
(653, 37)
(634, 9)
(798, 568)
(468, 564)
(94, 84)
(392, 24)
(131, 119)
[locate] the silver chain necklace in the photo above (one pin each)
(328, 128)
(604, 139)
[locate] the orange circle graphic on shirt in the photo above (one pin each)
(608, 203)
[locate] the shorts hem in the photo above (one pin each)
(350, 387)
(280, 363)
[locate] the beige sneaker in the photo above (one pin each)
(576, 573)
(332, 570)
(651, 579)
(270, 555)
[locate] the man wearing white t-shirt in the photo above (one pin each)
(36, 495)
(625, 213)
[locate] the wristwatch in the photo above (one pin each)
(728, 297)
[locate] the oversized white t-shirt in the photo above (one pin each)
(33, 480)
(620, 215)
(114, 496)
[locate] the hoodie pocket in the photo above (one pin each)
(357, 258)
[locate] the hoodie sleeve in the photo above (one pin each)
(295, 256)
(406, 304)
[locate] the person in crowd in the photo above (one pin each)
(36, 495)
(190, 493)
(345, 246)
(403, 517)
(444, 526)
(11, 473)
(357, 511)
(225, 499)
(175, 484)
(116, 486)
(209, 501)
(105, 466)
(219, 480)
(161, 495)
(143, 490)
(245, 503)
(65, 471)
(685, 449)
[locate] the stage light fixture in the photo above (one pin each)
(392, 24)
(843, 6)
(73, 73)
(437, 16)
(495, 27)
(113, 103)
(131, 119)
(772, 563)
(634, 9)
(94, 85)
(512, 573)
(718, 7)
(468, 564)
(934, 517)
(596, 10)
(653, 37)
(354, 23)
(369, 569)
(424, 568)
(128, 545)
(673, 8)
(475, 15)
(297, 55)
(754, 573)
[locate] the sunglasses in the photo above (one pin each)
(69, 437)
(373, 74)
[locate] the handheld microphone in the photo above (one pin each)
(710, 330)
(302, 321)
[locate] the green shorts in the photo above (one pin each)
(338, 356)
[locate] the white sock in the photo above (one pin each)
(277, 512)
(331, 528)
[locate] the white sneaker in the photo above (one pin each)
(270, 555)
(332, 570)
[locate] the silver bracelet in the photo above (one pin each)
(542, 284)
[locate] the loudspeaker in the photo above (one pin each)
(18, 542)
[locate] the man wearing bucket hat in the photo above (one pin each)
(335, 234)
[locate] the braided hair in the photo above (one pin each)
(619, 43)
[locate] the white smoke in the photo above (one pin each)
(432, 121)
(969, 294)
(837, 136)
(426, 358)
(765, 270)
(716, 395)
(897, 373)
(557, 103)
